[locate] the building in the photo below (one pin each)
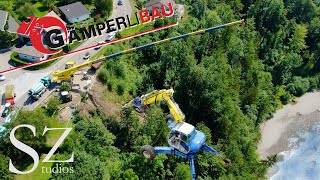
(30, 54)
(75, 12)
(178, 8)
(179, 11)
(12, 25)
(158, 3)
(3, 19)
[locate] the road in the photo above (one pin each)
(23, 80)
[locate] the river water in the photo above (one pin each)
(300, 158)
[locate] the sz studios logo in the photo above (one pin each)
(34, 155)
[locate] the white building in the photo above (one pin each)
(30, 54)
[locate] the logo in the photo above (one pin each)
(31, 152)
(39, 27)
(49, 34)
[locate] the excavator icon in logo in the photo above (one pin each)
(37, 28)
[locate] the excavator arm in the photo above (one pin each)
(157, 96)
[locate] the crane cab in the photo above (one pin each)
(69, 65)
(185, 138)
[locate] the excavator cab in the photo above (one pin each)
(179, 138)
(185, 138)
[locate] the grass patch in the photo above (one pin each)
(53, 136)
(131, 31)
(74, 45)
(40, 9)
(37, 173)
(133, 5)
(99, 53)
(14, 57)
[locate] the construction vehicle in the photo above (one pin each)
(3, 131)
(37, 90)
(8, 107)
(65, 96)
(67, 74)
(69, 65)
(10, 94)
(184, 140)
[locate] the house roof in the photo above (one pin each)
(13, 25)
(53, 14)
(164, 2)
(74, 10)
(3, 19)
(29, 50)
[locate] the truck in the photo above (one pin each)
(65, 96)
(9, 94)
(41, 87)
(8, 107)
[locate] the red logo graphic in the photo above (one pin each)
(36, 29)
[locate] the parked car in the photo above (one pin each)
(99, 43)
(86, 56)
(2, 77)
(111, 30)
(110, 36)
(120, 2)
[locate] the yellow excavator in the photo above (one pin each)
(183, 139)
(155, 97)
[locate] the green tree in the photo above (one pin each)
(104, 6)
(36, 118)
(46, 3)
(65, 87)
(302, 15)
(129, 175)
(7, 39)
(158, 23)
(19, 3)
(67, 1)
(5, 174)
(118, 35)
(299, 86)
(182, 172)
(26, 10)
(199, 8)
(85, 166)
(52, 106)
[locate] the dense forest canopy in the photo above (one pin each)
(226, 82)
